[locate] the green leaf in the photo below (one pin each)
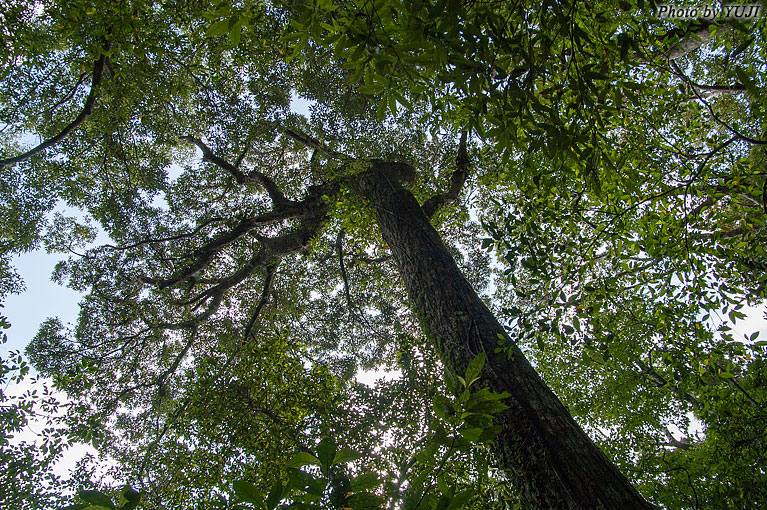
(365, 482)
(451, 381)
(402, 99)
(364, 501)
(443, 486)
(218, 28)
(593, 75)
(326, 452)
(472, 434)
(275, 495)
(461, 499)
(306, 482)
(621, 355)
(381, 109)
(442, 406)
(746, 80)
(486, 394)
(345, 455)
(235, 33)
(488, 407)
(742, 47)
(475, 368)
(392, 104)
(248, 492)
(129, 499)
(303, 459)
(96, 498)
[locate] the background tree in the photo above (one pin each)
(262, 256)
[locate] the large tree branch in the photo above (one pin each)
(212, 307)
(682, 444)
(311, 143)
(271, 188)
(689, 38)
(661, 382)
(209, 156)
(204, 255)
(98, 71)
(457, 180)
(722, 89)
(278, 198)
(222, 284)
(271, 248)
(689, 42)
(242, 228)
(311, 211)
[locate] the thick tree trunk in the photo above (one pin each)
(551, 460)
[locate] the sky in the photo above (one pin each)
(42, 298)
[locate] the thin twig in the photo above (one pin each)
(271, 269)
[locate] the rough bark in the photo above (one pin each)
(543, 450)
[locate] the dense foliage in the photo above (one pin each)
(596, 172)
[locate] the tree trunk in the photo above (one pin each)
(541, 448)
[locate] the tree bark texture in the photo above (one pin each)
(541, 448)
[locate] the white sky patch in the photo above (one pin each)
(742, 329)
(300, 105)
(42, 298)
(370, 377)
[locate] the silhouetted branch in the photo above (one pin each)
(738, 135)
(215, 302)
(98, 70)
(344, 275)
(205, 253)
(165, 239)
(457, 180)
(314, 144)
(271, 269)
(68, 96)
(661, 382)
(278, 198)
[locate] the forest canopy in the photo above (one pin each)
(547, 219)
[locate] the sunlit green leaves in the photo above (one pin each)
(303, 459)
(247, 492)
(128, 499)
